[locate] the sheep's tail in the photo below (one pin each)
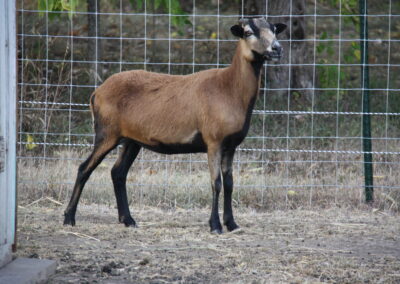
(92, 110)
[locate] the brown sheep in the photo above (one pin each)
(208, 112)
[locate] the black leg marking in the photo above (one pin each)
(226, 165)
(101, 149)
(214, 163)
(119, 173)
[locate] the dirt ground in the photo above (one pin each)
(294, 246)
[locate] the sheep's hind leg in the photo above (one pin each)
(119, 173)
(102, 147)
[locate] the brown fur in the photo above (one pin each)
(151, 108)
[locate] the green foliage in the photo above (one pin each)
(325, 46)
(176, 9)
(349, 7)
(57, 6)
(354, 54)
(328, 75)
(179, 17)
(139, 3)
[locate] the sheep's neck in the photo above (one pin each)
(244, 74)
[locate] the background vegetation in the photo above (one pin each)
(65, 52)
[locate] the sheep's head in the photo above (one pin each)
(260, 36)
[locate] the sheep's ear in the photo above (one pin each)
(279, 28)
(237, 30)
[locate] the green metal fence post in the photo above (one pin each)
(367, 148)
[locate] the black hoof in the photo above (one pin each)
(215, 226)
(69, 219)
(216, 232)
(237, 231)
(231, 226)
(133, 225)
(128, 221)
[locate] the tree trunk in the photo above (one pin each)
(300, 76)
(94, 44)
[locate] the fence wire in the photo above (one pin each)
(304, 146)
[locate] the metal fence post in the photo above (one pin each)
(366, 125)
(8, 90)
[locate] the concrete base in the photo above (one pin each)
(27, 270)
(5, 254)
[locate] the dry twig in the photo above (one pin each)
(81, 235)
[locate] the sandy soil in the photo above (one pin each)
(296, 246)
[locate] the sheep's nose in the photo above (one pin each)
(276, 47)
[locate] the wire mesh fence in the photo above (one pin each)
(304, 146)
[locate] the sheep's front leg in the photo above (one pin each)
(214, 164)
(119, 173)
(227, 160)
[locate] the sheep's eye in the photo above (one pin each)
(248, 33)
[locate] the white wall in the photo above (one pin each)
(8, 90)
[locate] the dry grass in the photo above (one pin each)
(179, 183)
(292, 234)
